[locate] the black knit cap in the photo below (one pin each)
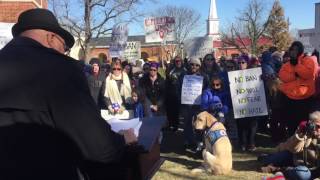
(94, 61)
(41, 19)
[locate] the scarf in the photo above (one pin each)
(112, 91)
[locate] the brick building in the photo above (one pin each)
(10, 9)
(101, 46)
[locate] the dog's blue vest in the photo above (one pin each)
(213, 136)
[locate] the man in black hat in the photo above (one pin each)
(50, 126)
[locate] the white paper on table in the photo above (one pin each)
(118, 125)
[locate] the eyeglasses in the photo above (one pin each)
(116, 69)
(153, 70)
(242, 62)
(195, 65)
(65, 47)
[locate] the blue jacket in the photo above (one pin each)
(270, 66)
(211, 98)
(138, 110)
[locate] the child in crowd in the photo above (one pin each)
(136, 104)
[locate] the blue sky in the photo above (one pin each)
(300, 12)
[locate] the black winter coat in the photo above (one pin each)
(154, 92)
(49, 123)
(97, 86)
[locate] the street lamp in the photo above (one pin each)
(181, 47)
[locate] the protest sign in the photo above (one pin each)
(198, 47)
(191, 89)
(119, 40)
(159, 29)
(247, 92)
(132, 51)
(5, 33)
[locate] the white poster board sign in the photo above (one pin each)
(159, 29)
(5, 33)
(247, 93)
(118, 40)
(191, 89)
(133, 51)
(198, 47)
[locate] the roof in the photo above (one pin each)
(246, 41)
(105, 41)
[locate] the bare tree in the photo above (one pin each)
(234, 36)
(87, 19)
(186, 24)
(251, 25)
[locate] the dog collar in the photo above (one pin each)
(208, 129)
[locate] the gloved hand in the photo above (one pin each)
(218, 106)
(215, 107)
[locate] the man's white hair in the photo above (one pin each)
(315, 116)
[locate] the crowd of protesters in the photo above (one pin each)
(290, 86)
(51, 126)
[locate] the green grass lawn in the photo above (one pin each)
(178, 163)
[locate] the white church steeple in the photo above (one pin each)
(213, 21)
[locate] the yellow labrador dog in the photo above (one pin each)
(217, 154)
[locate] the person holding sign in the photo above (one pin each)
(192, 85)
(247, 127)
(173, 94)
(298, 77)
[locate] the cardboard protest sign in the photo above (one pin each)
(119, 40)
(159, 29)
(133, 51)
(247, 92)
(191, 89)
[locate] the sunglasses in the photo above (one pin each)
(216, 85)
(153, 70)
(242, 62)
(116, 69)
(195, 65)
